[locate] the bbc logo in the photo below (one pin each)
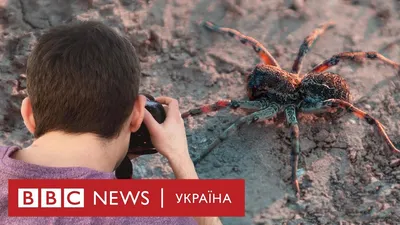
(51, 197)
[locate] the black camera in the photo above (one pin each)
(140, 142)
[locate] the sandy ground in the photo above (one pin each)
(350, 178)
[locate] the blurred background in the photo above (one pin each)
(349, 176)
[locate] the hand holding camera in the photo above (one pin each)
(169, 138)
(162, 131)
(140, 142)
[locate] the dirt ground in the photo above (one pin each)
(349, 176)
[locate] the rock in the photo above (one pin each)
(339, 144)
(322, 220)
(322, 135)
(297, 5)
(217, 164)
(124, 2)
(395, 163)
(306, 145)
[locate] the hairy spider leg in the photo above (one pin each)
(356, 57)
(221, 104)
(263, 114)
(307, 45)
(291, 119)
(262, 52)
(338, 103)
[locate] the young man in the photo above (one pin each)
(82, 105)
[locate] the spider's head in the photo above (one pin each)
(268, 81)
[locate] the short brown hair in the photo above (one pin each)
(82, 78)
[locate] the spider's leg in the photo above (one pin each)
(307, 44)
(221, 104)
(262, 52)
(294, 161)
(338, 103)
(263, 114)
(354, 56)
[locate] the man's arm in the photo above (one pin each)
(169, 138)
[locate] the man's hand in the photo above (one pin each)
(169, 138)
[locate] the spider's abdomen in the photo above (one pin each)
(318, 87)
(324, 86)
(272, 83)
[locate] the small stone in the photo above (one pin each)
(156, 40)
(165, 46)
(322, 135)
(322, 220)
(341, 145)
(179, 32)
(307, 145)
(300, 172)
(385, 206)
(174, 56)
(20, 61)
(146, 73)
(141, 36)
(159, 60)
(126, 2)
(235, 169)
(395, 163)
(297, 5)
(217, 164)
(397, 172)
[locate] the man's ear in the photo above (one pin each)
(27, 115)
(137, 113)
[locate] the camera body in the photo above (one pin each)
(140, 141)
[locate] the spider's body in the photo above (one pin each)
(273, 84)
(272, 90)
(276, 85)
(318, 87)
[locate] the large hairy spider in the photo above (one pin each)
(272, 90)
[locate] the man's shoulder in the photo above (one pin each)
(4, 150)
